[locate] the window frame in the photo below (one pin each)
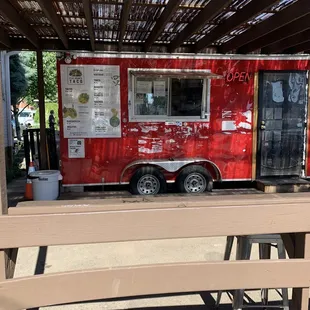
(204, 116)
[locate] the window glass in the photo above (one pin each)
(24, 114)
(186, 97)
(151, 96)
(169, 97)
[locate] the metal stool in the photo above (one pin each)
(244, 247)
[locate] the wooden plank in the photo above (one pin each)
(43, 149)
(289, 42)
(4, 38)
(138, 203)
(278, 20)
(209, 12)
(130, 281)
(240, 17)
(76, 45)
(3, 190)
(161, 23)
(11, 14)
(152, 224)
(49, 11)
(290, 29)
(123, 22)
(305, 46)
(89, 21)
(255, 131)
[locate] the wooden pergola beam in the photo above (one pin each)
(49, 11)
(4, 38)
(161, 23)
(278, 20)
(288, 30)
(240, 17)
(209, 12)
(43, 143)
(287, 43)
(77, 45)
(89, 21)
(123, 22)
(11, 15)
(302, 47)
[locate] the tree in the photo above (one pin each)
(19, 87)
(29, 60)
(48, 107)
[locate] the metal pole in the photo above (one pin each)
(43, 149)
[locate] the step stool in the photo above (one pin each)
(244, 247)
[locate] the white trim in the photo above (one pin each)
(94, 184)
(190, 56)
(205, 104)
(167, 72)
(126, 183)
(230, 180)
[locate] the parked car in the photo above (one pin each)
(26, 119)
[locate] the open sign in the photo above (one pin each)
(238, 76)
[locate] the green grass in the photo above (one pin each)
(48, 107)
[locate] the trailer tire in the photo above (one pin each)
(148, 181)
(194, 179)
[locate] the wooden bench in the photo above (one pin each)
(65, 223)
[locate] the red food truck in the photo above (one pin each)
(147, 120)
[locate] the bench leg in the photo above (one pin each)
(244, 248)
(300, 299)
(228, 249)
(264, 253)
(282, 255)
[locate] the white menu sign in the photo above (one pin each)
(91, 101)
(76, 148)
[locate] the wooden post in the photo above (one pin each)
(3, 191)
(300, 299)
(43, 149)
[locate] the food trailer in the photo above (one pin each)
(148, 120)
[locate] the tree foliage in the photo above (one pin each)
(24, 80)
(49, 106)
(29, 60)
(19, 85)
(18, 80)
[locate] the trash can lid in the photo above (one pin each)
(46, 173)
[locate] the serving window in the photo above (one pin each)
(155, 95)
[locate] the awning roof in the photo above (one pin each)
(207, 26)
(197, 74)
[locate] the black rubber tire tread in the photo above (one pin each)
(191, 169)
(147, 170)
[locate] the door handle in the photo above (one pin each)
(263, 125)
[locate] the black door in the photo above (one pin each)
(281, 123)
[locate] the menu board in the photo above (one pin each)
(91, 101)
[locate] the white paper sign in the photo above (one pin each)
(144, 87)
(159, 88)
(91, 101)
(76, 148)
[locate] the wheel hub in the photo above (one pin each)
(195, 183)
(148, 185)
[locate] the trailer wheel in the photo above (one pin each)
(194, 179)
(148, 181)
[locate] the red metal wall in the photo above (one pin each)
(231, 98)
